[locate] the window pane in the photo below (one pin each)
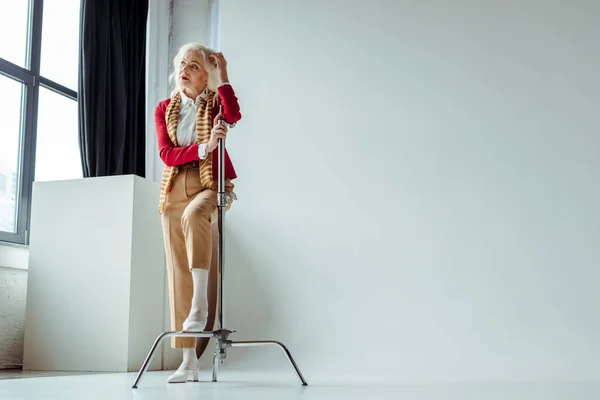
(60, 41)
(10, 138)
(57, 145)
(14, 19)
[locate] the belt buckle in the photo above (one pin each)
(190, 165)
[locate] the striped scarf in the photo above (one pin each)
(203, 128)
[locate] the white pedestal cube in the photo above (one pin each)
(95, 296)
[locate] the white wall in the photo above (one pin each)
(190, 23)
(13, 285)
(447, 225)
(157, 67)
(13, 294)
(13, 256)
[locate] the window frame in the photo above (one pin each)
(32, 81)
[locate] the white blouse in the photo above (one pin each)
(186, 127)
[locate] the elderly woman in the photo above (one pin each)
(188, 129)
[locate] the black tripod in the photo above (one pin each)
(221, 335)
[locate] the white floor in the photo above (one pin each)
(264, 387)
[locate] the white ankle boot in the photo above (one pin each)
(188, 370)
(196, 320)
(183, 375)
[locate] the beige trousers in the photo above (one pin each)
(189, 228)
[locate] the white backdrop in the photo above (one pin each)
(419, 187)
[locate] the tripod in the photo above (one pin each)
(221, 335)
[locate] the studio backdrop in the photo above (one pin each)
(418, 188)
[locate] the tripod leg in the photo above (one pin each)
(281, 346)
(216, 361)
(148, 359)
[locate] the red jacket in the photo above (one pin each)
(172, 155)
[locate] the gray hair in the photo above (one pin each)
(204, 52)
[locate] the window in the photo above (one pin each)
(39, 58)
(60, 42)
(11, 99)
(14, 19)
(57, 134)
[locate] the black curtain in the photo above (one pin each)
(112, 86)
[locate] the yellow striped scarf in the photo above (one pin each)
(203, 128)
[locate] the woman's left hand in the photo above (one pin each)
(221, 65)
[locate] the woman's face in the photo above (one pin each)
(192, 75)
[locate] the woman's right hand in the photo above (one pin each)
(219, 131)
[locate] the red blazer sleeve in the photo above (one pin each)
(171, 155)
(231, 107)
